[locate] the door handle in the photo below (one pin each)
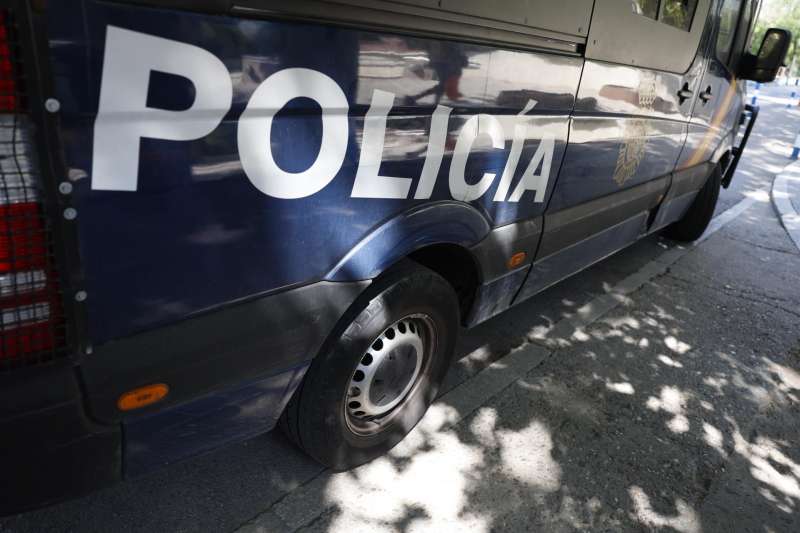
(684, 94)
(706, 95)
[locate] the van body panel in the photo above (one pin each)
(196, 216)
(609, 155)
(685, 185)
(568, 226)
(525, 148)
(217, 350)
(572, 259)
(224, 416)
(533, 24)
(627, 137)
(626, 134)
(443, 222)
(495, 296)
(714, 121)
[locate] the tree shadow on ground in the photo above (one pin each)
(661, 415)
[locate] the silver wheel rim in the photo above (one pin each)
(387, 372)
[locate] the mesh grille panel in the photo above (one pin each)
(32, 327)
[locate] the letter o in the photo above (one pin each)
(255, 131)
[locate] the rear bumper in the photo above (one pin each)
(49, 449)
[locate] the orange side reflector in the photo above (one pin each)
(142, 396)
(516, 260)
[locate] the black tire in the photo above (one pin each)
(319, 417)
(696, 219)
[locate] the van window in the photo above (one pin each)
(678, 13)
(628, 32)
(647, 8)
(728, 17)
(744, 30)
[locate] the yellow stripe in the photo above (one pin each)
(722, 112)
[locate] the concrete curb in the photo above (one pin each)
(782, 201)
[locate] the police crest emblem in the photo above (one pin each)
(635, 133)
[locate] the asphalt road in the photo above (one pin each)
(658, 390)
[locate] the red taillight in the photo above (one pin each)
(30, 309)
(28, 338)
(31, 320)
(32, 328)
(23, 243)
(8, 87)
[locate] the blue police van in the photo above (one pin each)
(219, 216)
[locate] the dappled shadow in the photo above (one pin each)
(629, 424)
(677, 410)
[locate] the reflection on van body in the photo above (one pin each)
(288, 209)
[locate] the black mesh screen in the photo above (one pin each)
(32, 328)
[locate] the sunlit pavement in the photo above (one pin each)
(786, 199)
(794, 194)
(793, 186)
(657, 390)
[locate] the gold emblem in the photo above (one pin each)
(647, 90)
(632, 150)
(635, 132)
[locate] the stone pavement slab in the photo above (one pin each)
(786, 199)
(586, 424)
(655, 406)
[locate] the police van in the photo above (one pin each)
(219, 216)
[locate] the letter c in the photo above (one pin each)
(255, 131)
(474, 127)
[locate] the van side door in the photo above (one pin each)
(629, 125)
(712, 127)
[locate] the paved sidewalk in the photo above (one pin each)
(658, 390)
(786, 199)
(632, 412)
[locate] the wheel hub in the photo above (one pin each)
(387, 371)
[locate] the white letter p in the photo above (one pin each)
(123, 117)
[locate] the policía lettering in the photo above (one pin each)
(123, 119)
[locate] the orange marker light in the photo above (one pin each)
(516, 260)
(136, 398)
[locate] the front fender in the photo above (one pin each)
(435, 223)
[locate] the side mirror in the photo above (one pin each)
(771, 56)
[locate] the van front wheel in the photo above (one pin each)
(379, 373)
(697, 217)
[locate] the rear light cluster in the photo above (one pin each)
(32, 327)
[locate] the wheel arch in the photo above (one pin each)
(458, 266)
(437, 236)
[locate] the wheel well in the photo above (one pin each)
(457, 266)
